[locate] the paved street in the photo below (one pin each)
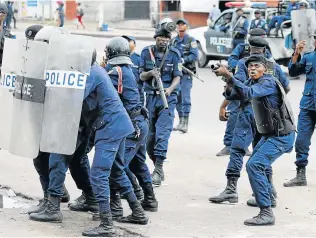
(193, 173)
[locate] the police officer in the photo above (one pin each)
(188, 48)
(258, 22)
(274, 120)
(307, 118)
(227, 24)
(240, 28)
(41, 162)
(231, 108)
(245, 131)
(160, 119)
(135, 57)
(276, 21)
(120, 72)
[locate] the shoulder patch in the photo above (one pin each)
(193, 44)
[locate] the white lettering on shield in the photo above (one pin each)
(8, 81)
(65, 79)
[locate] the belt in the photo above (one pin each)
(153, 93)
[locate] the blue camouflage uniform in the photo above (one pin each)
(245, 130)
(270, 147)
(307, 116)
(189, 53)
(135, 67)
(242, 29)
(160, 120)
(282, 18)
(135, 145)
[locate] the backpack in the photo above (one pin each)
(81, 13)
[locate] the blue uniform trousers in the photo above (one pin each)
(278, 20)
(184, 98)
(305, 127)
(135, 154)
(160, 125)
(109, 161)
(266, 152)
(78, 165)
(233, 107)
(244, 134)
(41, 164)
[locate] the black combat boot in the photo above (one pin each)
(299, 180)
(264, 218)
(180, 125)
(66, 197)
(138, 215)
(116, 205)
(85, 203)
(137, 189)
(224, 151)
(51, 213)
(40, 207)
(252, 202)
(185, 125)
(149, 203)
(158, 173)
(105, 229)
(229, 194)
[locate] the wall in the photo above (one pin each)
(196, 19)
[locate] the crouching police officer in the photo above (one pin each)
(274, 121)
(307, 117)
(188, 48)
(160, 119)
(121, 74)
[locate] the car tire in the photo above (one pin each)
(203, 58)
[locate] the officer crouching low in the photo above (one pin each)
(274, 121)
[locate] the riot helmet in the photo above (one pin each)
(3, 8)
(167, 24)
(48, 31)
(31, 31)
(117, 51)
(304, 4)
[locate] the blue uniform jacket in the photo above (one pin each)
(102, 107)
(236, 54)
(129, 94)
(135, 68)
(264, 87)
(242, 28)
(307, 65)
(187, 48)
(172, 67)
(261, 24)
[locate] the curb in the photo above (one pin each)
(100, 35)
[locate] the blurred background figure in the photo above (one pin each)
(80, 14)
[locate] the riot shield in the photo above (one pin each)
(67, 67)
(9, 70)
(303, 26)
(28, 99)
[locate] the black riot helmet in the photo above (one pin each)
(118, 51)
(3, 8)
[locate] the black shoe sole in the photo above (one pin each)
(84, 210)
(251, 224)
(296, 185)
(231, 200)
(136, 222)
(150, 209)
(45, 220)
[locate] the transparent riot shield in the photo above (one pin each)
(28, 101)
(303, 25)
(67, 67)
(9, 70)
